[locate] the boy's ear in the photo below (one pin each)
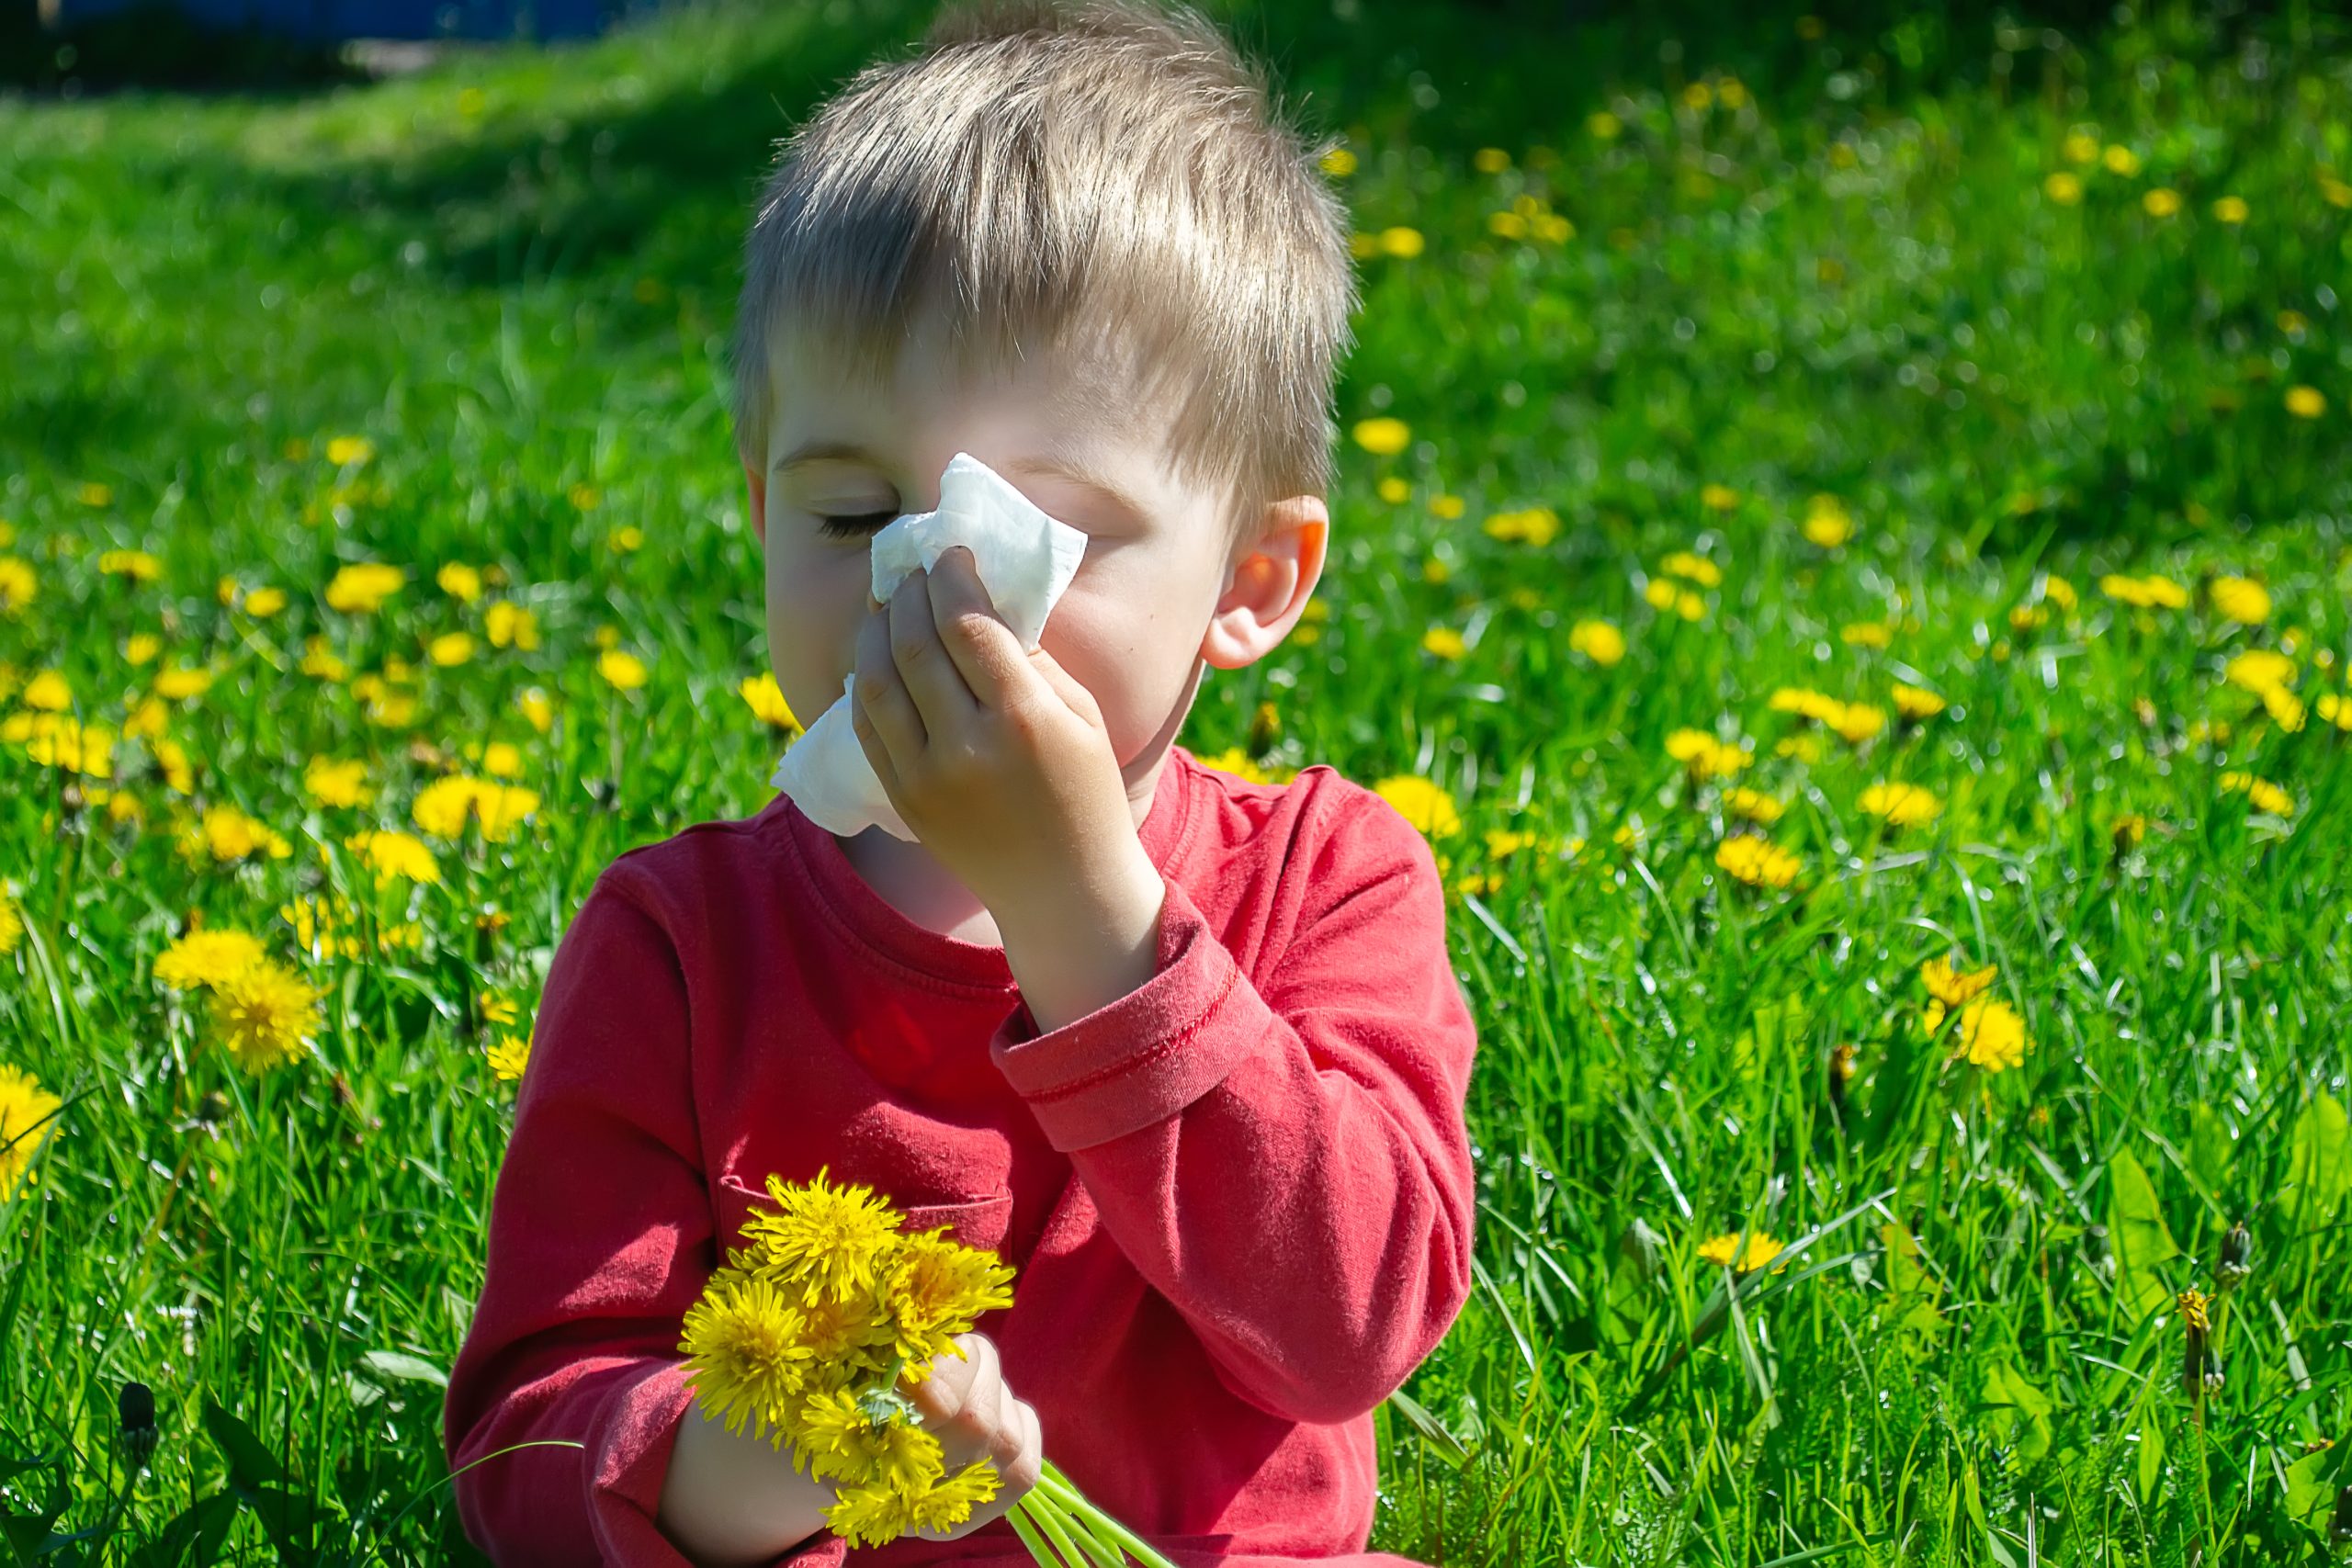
(1268, 586)
(758, 484)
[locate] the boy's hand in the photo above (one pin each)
(999, 762)
(966, 1404)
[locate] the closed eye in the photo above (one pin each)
(847, 526)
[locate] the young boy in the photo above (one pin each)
(1184, 1050)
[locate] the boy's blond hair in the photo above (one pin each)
(1105, 176)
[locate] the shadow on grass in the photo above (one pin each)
(674, 173)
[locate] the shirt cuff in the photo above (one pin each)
(635, 1434)
(1148, 1055)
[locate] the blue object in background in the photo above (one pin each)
(324, 20)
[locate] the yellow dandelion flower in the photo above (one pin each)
(1856, 722)
(264, 602)
(27, 1119)
(320, 662)
(1868, 634)
(225, 834)
(338, 782)
(1382, 437)
(444, 807)
(509, 625)
(868, 1515)
(264, 1014)
(746, 1357)
(1444, 642)
(1950, 985)
(2265, 796)
(1827, 522)
(1902, 805)
(622, 670)
(2121, 160)
(508, 1056)
(1535, 526)
(395, 857)
(360, 589)
(1991, 1036)
(1401, 241)
(459, 581)
(936, 1288)
(2231, 210)
(47, 692)
(1914, 703)
(1705, 757)
(2241, 599)
(2259, 670)
(450, 649)
(2163, 201)
(1692, 568)
(1752, 806)
(765, 699)
(1599, 641)
(1425, 805)
(1393, 489)
(2306, 402)
(18, 584)
(1756, 862)
(177, 685)
(136, 565)
(1746, 1254)
(831, 1236)
(2063, 188)
(207, 957)
(2333, 709)
(1339, 161)
(12, 924)
(2285, 708)
(1234, 760)
(346, 450)
(536, 708)
(1718, 498)
(951, 1501)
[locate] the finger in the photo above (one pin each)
(1065, 685)
(877, 696)
(924, 665)
(986, 652)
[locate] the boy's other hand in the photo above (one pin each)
(966, 1404)
(998, 758)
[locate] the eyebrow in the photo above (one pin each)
(1058, 465)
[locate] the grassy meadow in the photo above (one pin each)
(1843, 542)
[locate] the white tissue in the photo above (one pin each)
(1025, 559)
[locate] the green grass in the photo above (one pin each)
(513, 275)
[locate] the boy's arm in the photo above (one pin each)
(1286, 1163)
(600, 1238)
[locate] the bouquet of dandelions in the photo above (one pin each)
(808, 1332)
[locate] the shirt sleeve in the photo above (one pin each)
(1285, 1160)
(601, 1236)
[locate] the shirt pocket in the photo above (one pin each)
(981, 1223)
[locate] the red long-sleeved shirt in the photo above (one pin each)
(1240, 1198)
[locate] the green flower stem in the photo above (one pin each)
(1071, 1530)
(1057, 1485)
(1048, 1519)
(1018, 1517)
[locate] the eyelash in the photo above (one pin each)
(859, 523)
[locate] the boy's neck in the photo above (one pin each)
(909, 878)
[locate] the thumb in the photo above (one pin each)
(1065, 685)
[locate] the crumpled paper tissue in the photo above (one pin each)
(1025, 559)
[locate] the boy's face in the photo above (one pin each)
(1158, 592)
